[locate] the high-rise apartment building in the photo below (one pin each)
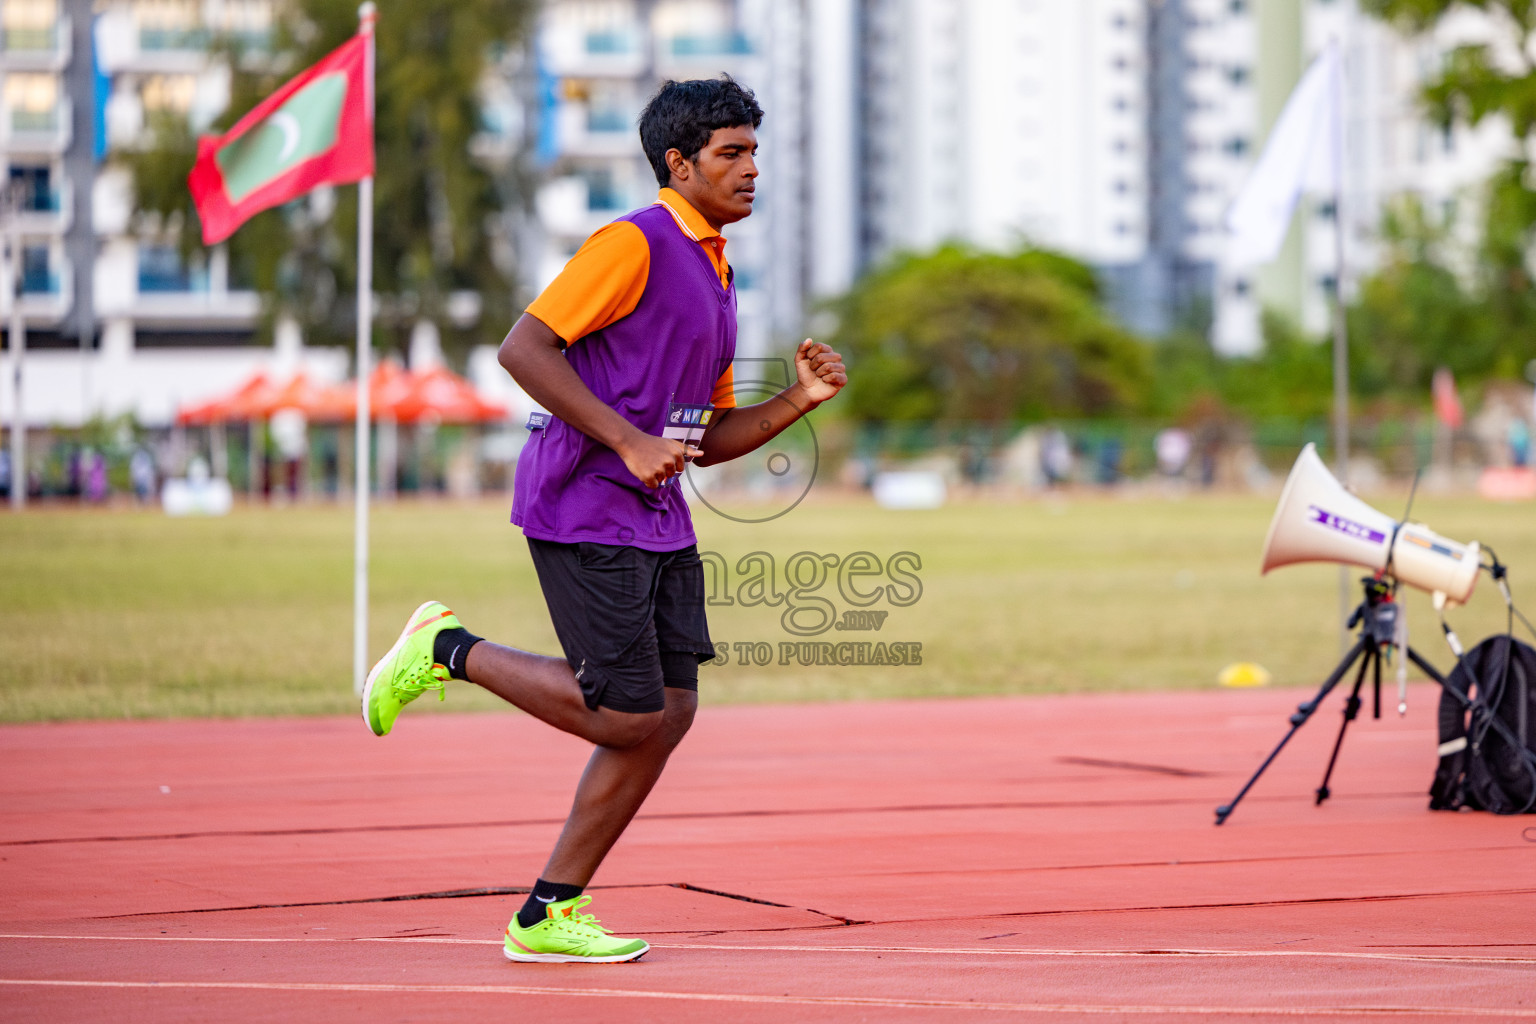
(119, 321)
(597, 63)
(998, 122)
(1115, 130)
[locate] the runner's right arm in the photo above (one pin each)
(533, 354)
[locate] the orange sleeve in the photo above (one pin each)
(724, 396)
(601, 284)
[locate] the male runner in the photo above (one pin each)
(639, 330)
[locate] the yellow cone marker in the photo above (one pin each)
(1243, 674)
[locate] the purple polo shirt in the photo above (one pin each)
(674, 346)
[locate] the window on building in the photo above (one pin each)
(36, 273)
(248, 22)
(1236, 146)
(29, 24)
(33, 101)
(173, 93)
(162, 269)
(603, 193)
(34, 186)
(169, 25)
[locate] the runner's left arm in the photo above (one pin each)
(819, 376)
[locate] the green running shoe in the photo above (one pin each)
(569, 937)
(407, 671)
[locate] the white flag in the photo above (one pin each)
(1304, 152)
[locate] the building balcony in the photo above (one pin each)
(568, 52)
(596, 131)
(165, 307)
(47, 292)
(48, 210)
(37, 49)
(164, 49)
(693, 55)
(37, 132)
(573, 207)
(167, 39)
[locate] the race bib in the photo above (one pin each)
(687, 423)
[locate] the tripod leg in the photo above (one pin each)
(1303, 712)
(1432, 672)
(1371, 657)
(1376, 685)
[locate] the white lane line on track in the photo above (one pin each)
(725, 997)
(1163, 954)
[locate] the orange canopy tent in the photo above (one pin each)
(442, 396)
(395, 393)
(255, 389)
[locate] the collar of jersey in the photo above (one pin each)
(688, 219)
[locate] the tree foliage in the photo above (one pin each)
(1417, 313)
(1291, 378)
(1476, 82)
(438, 225)
(963, 335)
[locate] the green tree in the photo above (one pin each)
(438, 224)
(1415, 313)
(959, 335)
(1477, 82)
(1291, 378)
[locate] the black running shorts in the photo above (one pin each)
(631, 621)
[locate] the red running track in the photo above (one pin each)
(1046, 859)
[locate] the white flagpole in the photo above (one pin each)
(1340, 323)
(367, 16)
(18, 332)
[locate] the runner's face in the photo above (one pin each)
(721, 183)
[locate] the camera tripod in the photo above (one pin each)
(1377, 617)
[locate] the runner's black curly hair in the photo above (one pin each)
(683, 115)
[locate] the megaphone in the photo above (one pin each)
(1317, 520)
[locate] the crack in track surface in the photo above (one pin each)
(447, 894)
(792, 812)
(1133, 766)
(1255, 904)
(834, 920)
(767, 903)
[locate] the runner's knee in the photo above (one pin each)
(678, 718)
(621, 730)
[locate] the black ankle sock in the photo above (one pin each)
(451, 648)
(544, 893)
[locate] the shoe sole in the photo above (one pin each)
(567, 958)
(378, 666)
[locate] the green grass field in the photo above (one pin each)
(121, 613)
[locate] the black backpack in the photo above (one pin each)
(1488, 731)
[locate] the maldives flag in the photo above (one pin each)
(315, 130)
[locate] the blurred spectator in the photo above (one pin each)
(1108, 471)
(96, 489)
(141, 475)
(1172, 447)
(5, 472)
(72, 475)
(1519, 442)
(1056, 456)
